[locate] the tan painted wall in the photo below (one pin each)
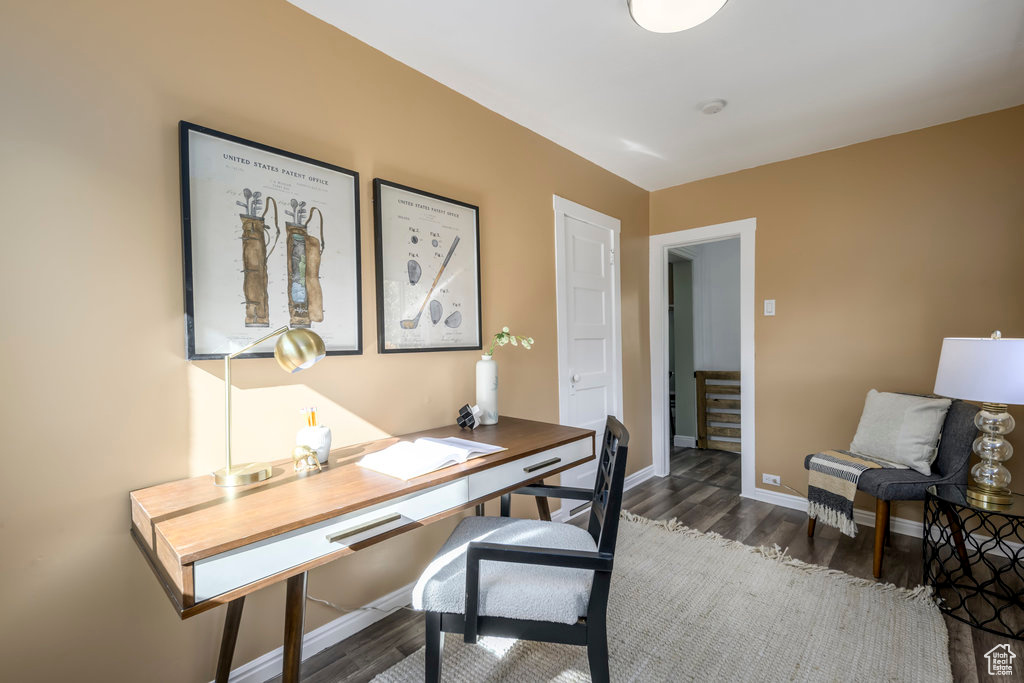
(874, 253)
(98, 398)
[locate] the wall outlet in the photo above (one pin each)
(773, 479)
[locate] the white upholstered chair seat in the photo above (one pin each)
(512, 590)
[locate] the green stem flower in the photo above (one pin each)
(506, 337)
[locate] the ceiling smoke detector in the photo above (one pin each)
(711, 106)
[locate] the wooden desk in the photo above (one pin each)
(209, 545)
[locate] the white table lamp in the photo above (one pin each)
(989, 371)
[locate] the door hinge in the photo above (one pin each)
(611, 257)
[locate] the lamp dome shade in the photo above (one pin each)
(299, 349)
(671, 16)
(985, 370)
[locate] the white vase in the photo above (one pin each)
(318, 438)
(487, 389)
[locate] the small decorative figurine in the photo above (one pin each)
(469, 416)
(305, 460)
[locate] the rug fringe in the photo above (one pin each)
(919, 594)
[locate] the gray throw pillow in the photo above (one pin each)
(901, 429)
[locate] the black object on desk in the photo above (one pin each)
(973, 559)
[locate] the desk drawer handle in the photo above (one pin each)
(541, 465)
(341, 535)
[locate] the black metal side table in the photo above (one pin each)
(974, 559)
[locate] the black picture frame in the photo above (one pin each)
(385, 344)
(188, 243)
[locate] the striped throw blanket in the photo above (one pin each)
(832, 484)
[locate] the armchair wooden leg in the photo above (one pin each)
(811, 521)
(434, 648)
(597, 650)
(881, 530)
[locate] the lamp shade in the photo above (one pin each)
(670, 16)
(986, 370)
(299, 349)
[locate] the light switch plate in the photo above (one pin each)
(769, 306)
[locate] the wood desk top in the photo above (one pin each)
(183, 521)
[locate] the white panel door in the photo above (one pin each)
(589, 336)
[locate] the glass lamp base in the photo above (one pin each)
(246, 473)
(990, 480)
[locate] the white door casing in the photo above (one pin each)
(589, 323)
(658, 288)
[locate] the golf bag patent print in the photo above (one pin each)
(305, 296)
(255, 254)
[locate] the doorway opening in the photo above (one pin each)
(702, 351)
(704, 362)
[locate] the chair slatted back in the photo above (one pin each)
(611, 475)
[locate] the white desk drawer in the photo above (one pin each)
(235, 568)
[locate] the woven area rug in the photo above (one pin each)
(690, 606)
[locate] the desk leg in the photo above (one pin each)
(543, 510)
(294, 616)
(227, 641)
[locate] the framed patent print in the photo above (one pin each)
(428, 270)
(270, 238)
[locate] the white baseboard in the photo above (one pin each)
(638, 477)
(684, 441)
(899, 525)
(631, 480)
(267, 666)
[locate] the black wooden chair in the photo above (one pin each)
(887, 485)
(542, 580)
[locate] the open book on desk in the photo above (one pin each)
(408, 459)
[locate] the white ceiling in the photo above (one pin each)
(800, 76)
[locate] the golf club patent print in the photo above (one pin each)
(428, 274)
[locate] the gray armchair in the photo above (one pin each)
(950, 467)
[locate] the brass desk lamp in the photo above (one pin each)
(296, 350)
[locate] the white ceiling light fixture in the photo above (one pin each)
(672, 16)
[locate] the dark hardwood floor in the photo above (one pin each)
(702, 491)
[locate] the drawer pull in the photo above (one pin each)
(541, 465)
(341, 535)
